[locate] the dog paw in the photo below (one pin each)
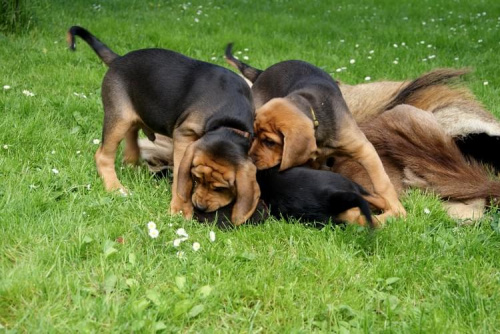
(178, 207)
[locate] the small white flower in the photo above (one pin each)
(170, 224)
(213, 58)
(123, 192)
(403, 44)
(182, 232)
(338, 70)
(177, 242)
(342, 41)
(78, 152)
(180, 254)
(96, 141)
(352, 61)
(427, 211)
(151, 226)
(245, 49)
(367, 78)
(6, 87)
(196, 20)
(480, 41)
(371, 51)
(88, 186)
(28, 93)
(6, 147)
(422, 42)
(395, 62)
(53, 152)
(395, 45)
(486, 83)
(425, 59)
(456, 58)
(153, 233)
(212, 236)
(245, 57)
(429, 46)
(196, 246)
(55, 171)
(369, 57)
(432, 56)
(357, 45)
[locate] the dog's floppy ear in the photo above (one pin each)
(299, 143)
(247, 193)
(184, 180)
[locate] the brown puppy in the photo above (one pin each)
(301, 118)
(206, 109)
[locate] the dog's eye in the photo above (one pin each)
(219, 189)
(269, 143)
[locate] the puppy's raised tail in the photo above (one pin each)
(248, 72)
(104, 52)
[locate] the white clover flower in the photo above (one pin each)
(352, 61)
(427, 211)
(367, 78)
(153, 233)
(211, 235)
(55, 171)
(151, 226)
(177, 242)
(486, 83)
(6, 147)
(6, 87)
(182, 232)
(28, 93)
(196, 246)
(96, 141)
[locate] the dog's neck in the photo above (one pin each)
(305, 106)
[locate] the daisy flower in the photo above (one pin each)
(196, 246)
(153, 233)
(211, 235)
(182, 232)
(151, 226)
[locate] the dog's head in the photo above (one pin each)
(283, 135)
(215, 171)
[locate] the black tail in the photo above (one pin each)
(248, 72)
(433, 78)
(105, 53)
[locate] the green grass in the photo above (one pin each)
(74, 258)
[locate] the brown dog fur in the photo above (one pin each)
(416, 152)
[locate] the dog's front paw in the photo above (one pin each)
(178, 206)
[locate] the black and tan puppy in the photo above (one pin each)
(301, 118)
(314, 195)
(206, 109)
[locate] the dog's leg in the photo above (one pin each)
(352, 142)
(113, 134)
(132, 151)
(178, 205)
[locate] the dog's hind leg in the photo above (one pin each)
(132, 151)
(120, 120)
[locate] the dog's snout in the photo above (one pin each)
(201, 207)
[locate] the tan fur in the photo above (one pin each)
(455, 107)
(417, 152)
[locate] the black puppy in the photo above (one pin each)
(313, 196)
(206, 109)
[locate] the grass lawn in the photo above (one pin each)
(74, 258)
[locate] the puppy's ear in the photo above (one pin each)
(247, 193)
(184, 180)
(299, 143)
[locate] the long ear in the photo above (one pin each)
(299, 144)
(184, 180)
(247, 193)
